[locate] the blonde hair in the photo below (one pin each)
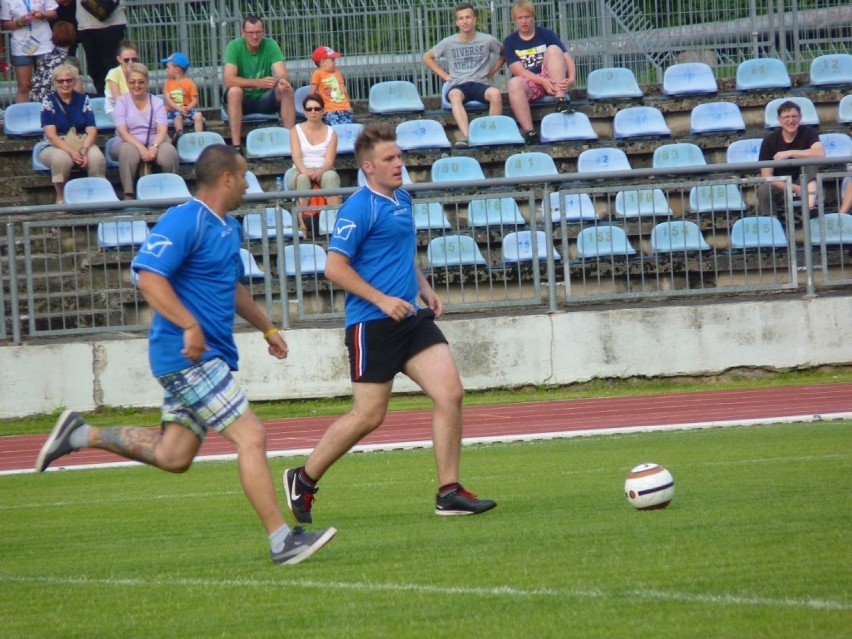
(64, 68)
(138, 67)
(523, 6)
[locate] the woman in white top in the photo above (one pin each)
(313, 147)
(30, 39)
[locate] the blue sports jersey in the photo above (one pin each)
(377, 234)
(199, 253)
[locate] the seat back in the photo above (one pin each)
(809, 112)
(253, 224)
(37, 164)
(457, 169)
(529, 164)
(103, 120)
(111, 162)
(326, 220)
(429, 215)
(689, 78)
(252, 117)
(641, 203)
(494, 212)
(251, 269)
(566, 126)
(718, 197)
(746, 150)
(834, 68)
(468, 104)
(712, 117)
(760, 231)
(299, 96)
(603, 240)
(191, 144)
(639, 121)
(22, 120)
(494, 129)
(118, 233)
(678, 154)
(395, 96)
(838, 229)
(162, 186)
(346, 136)
(453, 250)
(677, 236)
(836, 145)
(253, 183)
(844, 109)
(762, 73)
(421, 134)
(312, 258)
(518, 247)
(268, 142)
(571, 207)
(89, 190)
(598, 160)
(612, 83)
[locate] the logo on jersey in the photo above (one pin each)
(343, 229)
(156, 245)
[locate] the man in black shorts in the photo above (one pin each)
(372, 256)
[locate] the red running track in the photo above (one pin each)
(562, 418)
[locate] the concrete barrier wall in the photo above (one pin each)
(492, 352)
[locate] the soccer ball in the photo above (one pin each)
(649, 487)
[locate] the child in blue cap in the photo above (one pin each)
(181, 94)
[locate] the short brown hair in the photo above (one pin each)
(789, 105)
(213, 162)
(370, 136)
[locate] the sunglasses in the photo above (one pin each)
(129, 60)
(135, 82)
(307, 109)
(64, 80)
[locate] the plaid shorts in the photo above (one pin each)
(203, 396)
(534, 89)
(338, 117)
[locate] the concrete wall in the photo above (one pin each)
(557, 349)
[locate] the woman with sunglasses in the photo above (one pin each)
(314, 148)
(143, 131)
(69, 130)
(116, 78)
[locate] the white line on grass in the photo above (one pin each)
(494, 591)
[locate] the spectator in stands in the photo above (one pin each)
(64, 36)
(256, 79)
(540, 65)
(467, 55)
(100, 40)
(788, 142)
(30, 39)
(116, 78)
(70, 131)
(327, 82)
(66, 11)
(313, 147)
(181, 94)
(141, 125)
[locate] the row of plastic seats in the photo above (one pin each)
(308, 261)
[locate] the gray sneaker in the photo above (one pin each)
(57, 443)
(299, 545)
(462, 502)
(463, 143)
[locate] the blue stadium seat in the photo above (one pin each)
(809, 112)
(118, 233)
(678, 154)
(518, 247)
(746, 150)
(268, 142)
(689, 78)
(469, 105)
(529, 164)
(488, 130)
(406, 177)
(556, 127)
(251, 270)
(598, 160)
(836, 145)
(162, 186)
(253, 183)
(253, 224)
(844, 110)
(326, 220)
(603, 240)
(22, 120)
(111, 162)
(299, 96)
(103, 120)
(89, 190)
(346, 136)
(718, 197)
(761, 231)
(677, 236)
(831, 69)
(430, 215)
(715, 117)
(838, 229)
(457, 169)
(312, 258)
(762, 73)
(421, 134)
(37, 164)
(395, 96)
(612, 83)
(191, 144)
(572, 207)
(640, 121)
(252, 117)
(494, 212)
(453, 250)
(641, 203)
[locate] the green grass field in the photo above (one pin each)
(755, 544)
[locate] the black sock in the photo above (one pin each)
(306, 479)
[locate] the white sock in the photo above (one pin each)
(276, 539)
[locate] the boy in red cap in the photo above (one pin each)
(180, 94)
(327, 81)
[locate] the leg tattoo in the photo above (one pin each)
(131, 442)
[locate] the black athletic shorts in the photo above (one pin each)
(379, 349)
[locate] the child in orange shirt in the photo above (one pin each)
(181, 94)
(327, 81)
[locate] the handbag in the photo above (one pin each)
(101, 9)
(74, 139)
(315, 200)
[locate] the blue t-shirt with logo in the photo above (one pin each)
(199, 253)
(377, 234)
(530, 52)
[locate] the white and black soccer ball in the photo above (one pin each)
(649, 487)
